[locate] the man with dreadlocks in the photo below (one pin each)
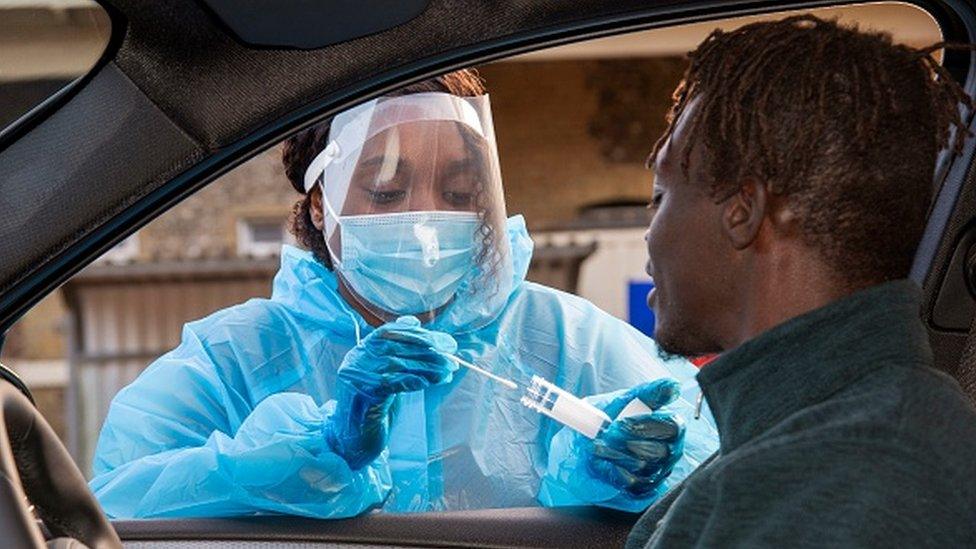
(791, 191)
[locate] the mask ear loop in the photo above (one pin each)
(337, 262)
(316, 174)
(329, 211)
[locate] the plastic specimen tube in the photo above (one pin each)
(572, 411)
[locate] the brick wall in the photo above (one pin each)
(552, 164)
(204, 226)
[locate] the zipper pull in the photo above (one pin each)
(698, 404)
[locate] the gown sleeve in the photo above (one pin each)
(182, 442)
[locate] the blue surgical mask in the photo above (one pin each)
(410, 262)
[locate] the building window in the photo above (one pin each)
(261, 237)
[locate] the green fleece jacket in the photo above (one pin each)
(835, 431)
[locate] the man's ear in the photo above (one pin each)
(744, 212)
(318, 219)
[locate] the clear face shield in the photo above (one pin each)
(414, 208)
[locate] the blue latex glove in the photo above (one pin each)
(397, 357)
(635, 454)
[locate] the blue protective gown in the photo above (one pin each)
(230, 422)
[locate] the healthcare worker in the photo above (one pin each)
(339, 394)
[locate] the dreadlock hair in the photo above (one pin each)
(300, 149)
(843, 124)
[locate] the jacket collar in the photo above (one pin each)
(809, 358)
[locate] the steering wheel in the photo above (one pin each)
(36, 467)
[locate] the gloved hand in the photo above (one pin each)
(635, 454)
(397, 357)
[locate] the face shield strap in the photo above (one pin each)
(352, 128)
(318, 165)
